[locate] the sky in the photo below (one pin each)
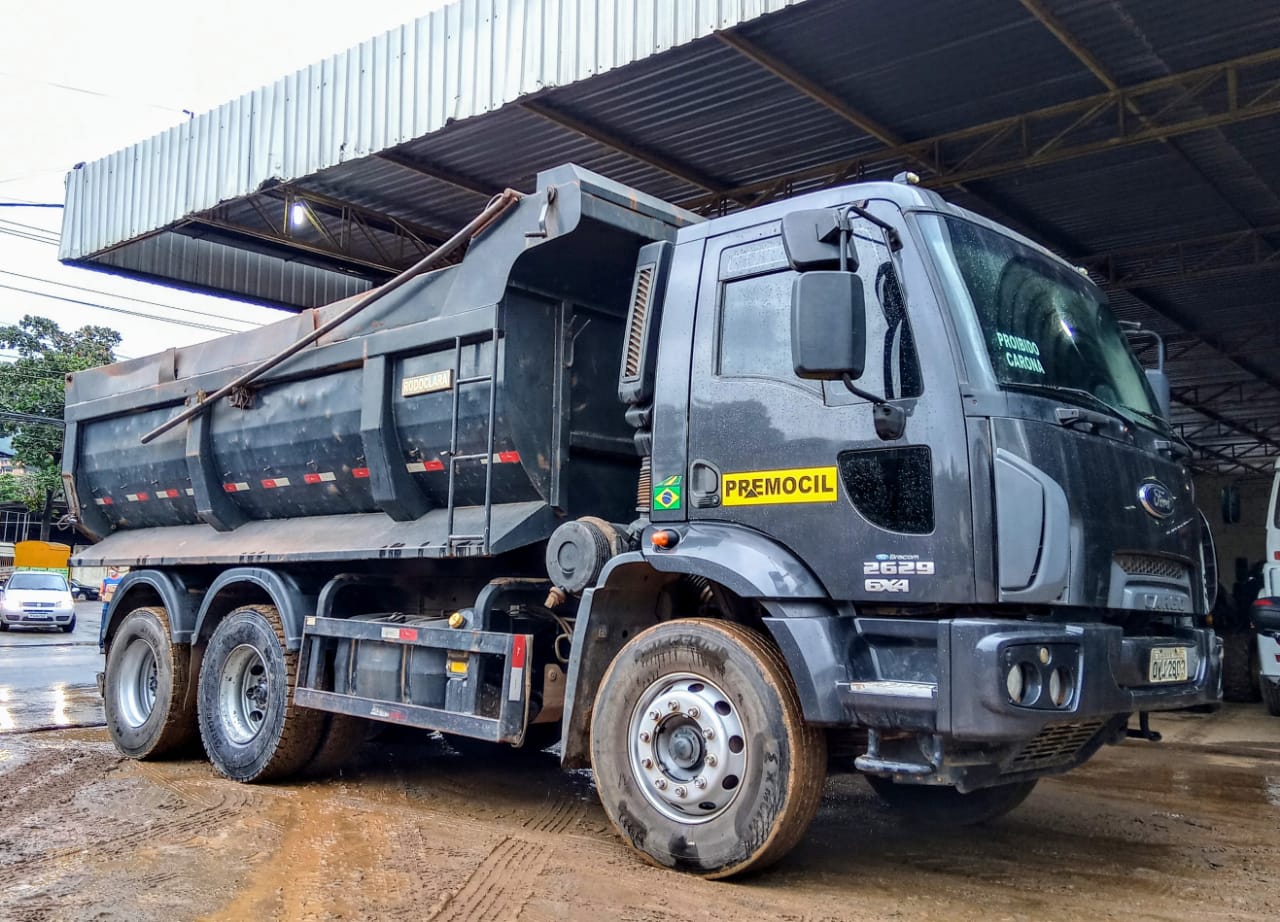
(81, 80)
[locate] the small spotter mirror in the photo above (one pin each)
(812, 240)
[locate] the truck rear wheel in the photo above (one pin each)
(251, 729)
(945, 805)
(701, 755)
(145, 698)
(1240, 666)
(1271, 696)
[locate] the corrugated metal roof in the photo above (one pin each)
(412, 130)
(464, 60)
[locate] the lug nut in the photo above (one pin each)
(647, 763)
(711, 759)
(644, 737)
(654, 715)
(661, 784)
(673, 704)
(681, 791)
(699, 782)
(708, 734)
(693, 713)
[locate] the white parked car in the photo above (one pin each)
(36, 599)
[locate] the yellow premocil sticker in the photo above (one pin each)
(765, 488)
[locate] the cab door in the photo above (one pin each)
(878, 520)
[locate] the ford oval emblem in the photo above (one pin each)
(1156, 499)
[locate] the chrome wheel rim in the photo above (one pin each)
(687, 748)
(139, 679)
(244, 691)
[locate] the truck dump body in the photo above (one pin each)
(376, 441)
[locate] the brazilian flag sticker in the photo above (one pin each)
(666, 494)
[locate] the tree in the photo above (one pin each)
(33, 385)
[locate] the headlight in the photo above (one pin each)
(11, 605)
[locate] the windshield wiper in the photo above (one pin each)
(1077, 416)
(1070, 417)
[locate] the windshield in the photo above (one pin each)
(1044, 326)
(37, 581)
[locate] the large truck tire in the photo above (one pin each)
(149, 712)
(945, 806)
(250, 726)
(1271, 696)
(700, 752)
(1240, 667)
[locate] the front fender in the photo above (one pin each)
(742, 560)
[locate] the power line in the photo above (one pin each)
(130, 298)
(79, 89)
(120, 310)
(31, 227)
(23, 235)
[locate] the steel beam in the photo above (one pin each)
(599, 135)
(430, 170)
(1207, 97)
(332, 228)
(1182, 260)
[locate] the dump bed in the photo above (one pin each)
(468, 412)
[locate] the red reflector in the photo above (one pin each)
(169, 494)
(360, 473)
(433, 466)
(408, 633)
(142, 497)
(1277, 555)
(310, 478)
(108, 501)
(517, 652)
(508, 457)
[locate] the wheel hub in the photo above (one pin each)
(139, 681)
(687, 748)
(243, 694)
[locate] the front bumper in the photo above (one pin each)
(52, 618)
(941, 687)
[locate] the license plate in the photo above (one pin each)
(1167, 664)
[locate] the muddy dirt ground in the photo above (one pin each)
(1187, 829)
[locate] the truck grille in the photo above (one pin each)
(1150, 565)
(1056, 745)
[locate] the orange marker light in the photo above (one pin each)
(664, 538)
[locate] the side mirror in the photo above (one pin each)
(1159, 382)
(828, 325)
(1231, 504)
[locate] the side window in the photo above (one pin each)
(755, 314)
(755, 327)
(893, 367)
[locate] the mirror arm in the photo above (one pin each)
(890, 420)
(890, 232)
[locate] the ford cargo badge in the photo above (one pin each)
(1156, 499)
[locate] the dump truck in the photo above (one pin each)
(854, 481)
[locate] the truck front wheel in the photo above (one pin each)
(145, 698)
(700, 752)
(251, 729)
(943, 805)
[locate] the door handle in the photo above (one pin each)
(704, 484)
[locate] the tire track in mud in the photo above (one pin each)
(500, 886)
(561, 812)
